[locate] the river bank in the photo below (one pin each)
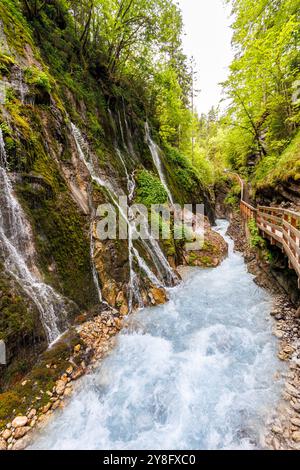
(284, 429)
(92, 342)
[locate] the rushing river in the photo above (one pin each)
(196, 373)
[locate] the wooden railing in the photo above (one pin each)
(281, 227)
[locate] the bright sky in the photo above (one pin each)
(208, 39)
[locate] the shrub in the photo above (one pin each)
(38, 78)
(256, 240)
(149, 189)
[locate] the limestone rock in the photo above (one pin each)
(296, 436)
(21, 444)
(31, 414)
(20, 432)
(69, 370)
(20, 421)
(3, 445)
(292, 390)
(277, 430)
(77, 374)
(159, 295)
(124, 310)
(46, 408)
(55, 405)
(6, 434)
(60, 387)
(296, 406)
(296, 422)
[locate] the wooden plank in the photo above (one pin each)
(270, 217)
(292, 259)
(270, 224)
(269, 208)
(253, 209)
(292, 213)
(271, 234)
(294, 245)
(294, 230)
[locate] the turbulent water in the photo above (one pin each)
(196, 373)
(17, 249)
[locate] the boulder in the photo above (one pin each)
(6, 434)
(124, 310)
(159, 295)
(21, 444)
(3, 445)
(296, 422)
(20, 421)
(21, 432)
(60, 387)
(296, 436)
(31, 414)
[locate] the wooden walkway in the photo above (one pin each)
(280, 226)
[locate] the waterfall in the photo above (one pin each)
(129, 147)
(151, 246)
(154, 149)
(130, 178)
(19, 84)
(18, 254)
(94, 270)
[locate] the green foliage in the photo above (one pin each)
(16, 29)
(256, 239)
(16, 317)
(38, 78)
(186, 182)
(6, 61)
(272, 168)
(45, 371)
(8, 402)
(234, 196)
(62, 240)
(262, 119)
(149, 189)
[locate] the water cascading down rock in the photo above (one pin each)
(18, 253)
(165, 276)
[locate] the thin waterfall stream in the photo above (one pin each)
(155, 150)
(17, 249)
(195, 373)
(151, 245)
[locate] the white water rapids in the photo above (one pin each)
(196, 373)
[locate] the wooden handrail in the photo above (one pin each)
(281, 227)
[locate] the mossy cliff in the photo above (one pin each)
(46, 85)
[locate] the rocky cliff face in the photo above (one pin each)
(73, 140)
